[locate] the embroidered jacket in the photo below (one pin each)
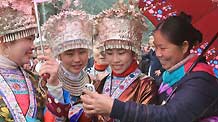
(63, 104)
(10, 108)
(131, 85)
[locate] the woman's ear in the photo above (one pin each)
(185, 47)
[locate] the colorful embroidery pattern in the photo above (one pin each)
(123, 86)
(11, 102)
(18, 86)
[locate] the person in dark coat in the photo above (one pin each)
(150, 63)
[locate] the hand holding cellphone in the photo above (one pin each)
(90, 87)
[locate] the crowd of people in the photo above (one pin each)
(127, 85)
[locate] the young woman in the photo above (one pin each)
(120, 34)
(184, 96)
(100, 68)
(18, 100)
(71, 43)
(45, 45)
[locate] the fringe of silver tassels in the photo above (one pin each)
(18, 35)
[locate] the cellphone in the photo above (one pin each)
(38, 66)
(90, 87)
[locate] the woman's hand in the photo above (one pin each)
(50, 66)
(94, 103)
(157, 72)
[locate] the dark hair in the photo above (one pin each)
(179, 29)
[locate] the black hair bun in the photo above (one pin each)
(198, 35)
(186, 17)
(194, 33)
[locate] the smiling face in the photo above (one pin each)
(119, 59)
(74, 60)
(168, 53)
(20, 51)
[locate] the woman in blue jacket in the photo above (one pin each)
(183, 96)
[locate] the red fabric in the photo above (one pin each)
(200, 66)
(204, 17)
(49, 117)
(52, 106)
(84, 118)
(100, 67)
(208, 25)
(150, 10)
(24, 102)
(129, 70)
(197, 9)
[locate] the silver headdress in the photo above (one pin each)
(17, 20)
(121, 27)
(69, 30)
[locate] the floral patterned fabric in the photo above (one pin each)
(5, 115)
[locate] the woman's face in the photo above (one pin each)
(74, 60)
(99, 58)
(46, 48)
(20, 51)
(119, 59)
(168, 53)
